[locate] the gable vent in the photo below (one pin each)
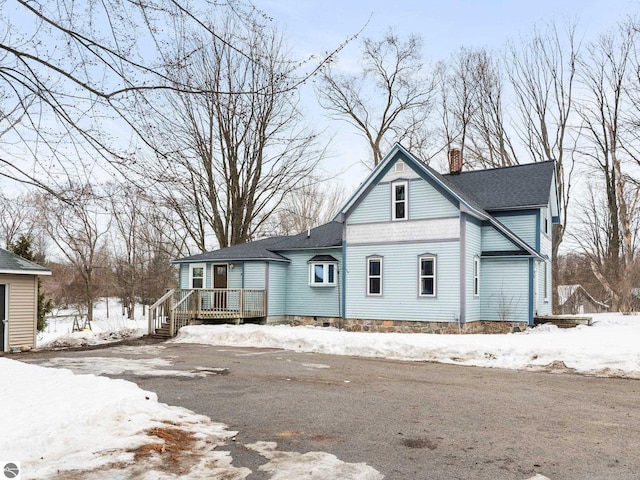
(399, 167)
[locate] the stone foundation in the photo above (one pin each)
(296, 320)
(402, 326)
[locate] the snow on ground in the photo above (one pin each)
(57, 424)
(109, 325)
(610, 347)
(61, 425)
(310, 466)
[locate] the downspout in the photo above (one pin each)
(339, 300)
(531, 278)
(463, 271)
(344, 281)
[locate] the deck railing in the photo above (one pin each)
(180, 307)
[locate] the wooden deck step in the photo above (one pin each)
(162, 332)
(563, 321)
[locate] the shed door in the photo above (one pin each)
(3, 315)
(220, 282)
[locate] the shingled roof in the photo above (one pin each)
(507, 188)
(484, 191)
(327, 235)
(10, 263)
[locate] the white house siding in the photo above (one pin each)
(400, 299)
(404, 231)
(425, 201)
(524, 225)
(473, 247)
(277, 292)
(303, 299)
(504, 289)
(23, 301)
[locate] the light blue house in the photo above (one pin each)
(411, 250)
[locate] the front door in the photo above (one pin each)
(220, 282)
(3, 315)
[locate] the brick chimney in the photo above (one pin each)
(455, 161)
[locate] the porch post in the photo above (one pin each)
(172, 322)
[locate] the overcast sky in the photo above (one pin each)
(314, 27)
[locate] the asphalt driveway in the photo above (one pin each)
(407, 420)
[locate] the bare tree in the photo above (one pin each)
(71, 72)
(313, 203)
(605, 73)
(126, 204)
(542, 72)
(472, 109)
(389, 101)
(228, 160)
(78, 229)
(18, 218)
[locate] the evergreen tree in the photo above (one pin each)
(22, 247)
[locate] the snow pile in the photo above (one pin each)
(311, 465)
(108, 325)
(608, 348)
(60, 425)
(55, 421)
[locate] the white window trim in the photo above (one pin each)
(546, 226)
(405, 201)
(325, 277)
(476, 276)
(435, 276)
(193, 266)
(545, 283)
(381, 276)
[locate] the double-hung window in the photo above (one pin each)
(374, 276)
(399, 200)
(196, 275)
(427, 276)
(322, 274)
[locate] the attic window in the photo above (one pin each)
(399, 200)
(399, 167)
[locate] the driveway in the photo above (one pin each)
(406, 420)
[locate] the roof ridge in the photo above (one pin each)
(492, 169)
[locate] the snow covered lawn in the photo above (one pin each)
(109, 325)
(611, 347)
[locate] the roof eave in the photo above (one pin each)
(308, 248)
(247, 259)
(25, 272)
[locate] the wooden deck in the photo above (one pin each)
(180, 307)
(563, 321)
